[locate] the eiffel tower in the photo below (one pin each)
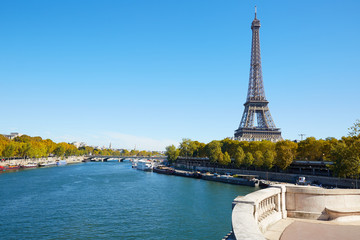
(256, 103)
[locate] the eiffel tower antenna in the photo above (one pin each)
(256, 104)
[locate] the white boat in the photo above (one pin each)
(30, 165)
(61, 162)
(144, 165)
(47, 164)
(134, 163)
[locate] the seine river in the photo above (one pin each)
(112, 201)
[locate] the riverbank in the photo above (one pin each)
(281, 177)
(244, 180)
(38, 161)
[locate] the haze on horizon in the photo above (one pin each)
(149, 73)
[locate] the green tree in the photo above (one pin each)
(258, 159)
(253, 147)
(60, 149)
(346, 157)
(214, 151)
(249, 159)
(269, 157)
(239, 156)
(198, 149)
(172, 153)
(230, 146)
(187, 147)
(225, 160)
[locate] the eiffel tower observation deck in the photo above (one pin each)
(256, 122)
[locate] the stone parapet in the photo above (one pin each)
(254, 213)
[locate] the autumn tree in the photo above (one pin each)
(310, 149)
(9, 150)
(60, 149)
(285, 153)
(3, 143)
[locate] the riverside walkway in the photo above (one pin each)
(299, 229)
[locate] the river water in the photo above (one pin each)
(112, 201)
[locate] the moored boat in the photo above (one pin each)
(12, 167)
(144, 165)
(61, 162)
(47, 164)
(134, 163)
(30, 165)
(164, 170)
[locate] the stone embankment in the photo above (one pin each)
(69, 160)
(254, 213)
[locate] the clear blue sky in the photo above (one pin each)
(151, 72)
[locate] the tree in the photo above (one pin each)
(187, 147)
(214, 151)
(310, 149)
(239, 156)
(226, 160)
(60, 149)
(230, 146)
(172, 153)
(266, 145)
(3, 142)
(9, 150)
(285, 153)
(355, 129)
(198, 149)
(253, 147)
(269, 156)
(258, 159)
(125, 152)
(346, 157)
(249, 159)
(23, 138)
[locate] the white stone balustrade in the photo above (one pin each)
(255, 212)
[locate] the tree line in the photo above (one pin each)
(36, 147)
(344, 152)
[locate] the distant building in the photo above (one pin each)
(12, 135)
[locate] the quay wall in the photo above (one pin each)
(283, 177)
(69, 160)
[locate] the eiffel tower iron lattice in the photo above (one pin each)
(256, 103)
